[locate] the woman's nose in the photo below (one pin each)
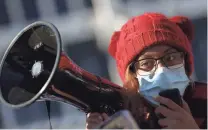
(160, 64)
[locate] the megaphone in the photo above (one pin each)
(35, 68)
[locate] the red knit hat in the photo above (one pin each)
(148, 29)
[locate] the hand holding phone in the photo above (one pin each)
(174, 95)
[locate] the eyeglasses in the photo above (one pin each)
(149, 65)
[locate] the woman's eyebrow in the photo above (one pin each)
(170, 50)
(145, 56)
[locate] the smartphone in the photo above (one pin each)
(120, 120)
(173, 94)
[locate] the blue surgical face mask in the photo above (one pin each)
(162, 79)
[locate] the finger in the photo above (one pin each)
(105, 116)
(91, 125)
(169, 103)
(95, 115)
(93, 120)
(166, 128)
(186, 106)
(167, 112)
(167, 122)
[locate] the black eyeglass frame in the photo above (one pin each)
(134, 69)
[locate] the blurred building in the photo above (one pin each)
(85, 27)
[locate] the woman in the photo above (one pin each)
(156, 51)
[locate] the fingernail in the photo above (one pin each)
(156, 98)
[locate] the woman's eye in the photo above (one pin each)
(169, 58)
(146, 64)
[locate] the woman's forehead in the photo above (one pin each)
(157, 50)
